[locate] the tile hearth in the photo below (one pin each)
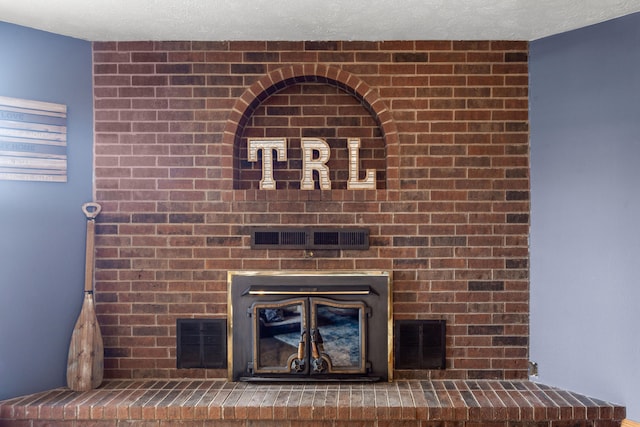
(411, 403)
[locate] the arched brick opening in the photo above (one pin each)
(281, 79)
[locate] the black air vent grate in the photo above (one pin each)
(201, 343)
(310, 238)
(326, 238)
(420, 344)
(350, 238)
(293, 238)
(268, 238)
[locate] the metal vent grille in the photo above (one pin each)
(351, 238)
(420, 344)
(293, 238)
(267, 238)
(326, 238)
(201, 343)
(310, 238)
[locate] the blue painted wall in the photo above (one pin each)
(42, 227)
(585, 234)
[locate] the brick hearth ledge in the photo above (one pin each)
(412, 403)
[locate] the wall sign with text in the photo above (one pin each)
(315, 155)
(33, 140)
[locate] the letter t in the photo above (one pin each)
(267, 146)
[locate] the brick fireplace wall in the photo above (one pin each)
(444, 124)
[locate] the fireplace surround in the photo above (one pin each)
(447, 123)
(310, 326)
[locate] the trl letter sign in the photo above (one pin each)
(315, 155)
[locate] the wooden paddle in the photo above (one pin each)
(85, 364)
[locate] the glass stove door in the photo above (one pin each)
(280, 337)
(337, 336)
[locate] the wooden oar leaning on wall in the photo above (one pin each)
(85, 364)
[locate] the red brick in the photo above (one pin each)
(183, 164)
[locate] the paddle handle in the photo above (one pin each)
(91, 211)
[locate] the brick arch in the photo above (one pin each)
(282, 78)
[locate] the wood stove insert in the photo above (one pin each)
(310, 326)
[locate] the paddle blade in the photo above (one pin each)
(85, 364)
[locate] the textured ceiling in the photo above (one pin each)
(112, 20)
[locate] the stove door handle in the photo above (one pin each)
(301, 345)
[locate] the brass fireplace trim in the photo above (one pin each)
(310, 291)
(311, 273)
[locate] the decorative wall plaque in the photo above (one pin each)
(33, 140)
(316, 153)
